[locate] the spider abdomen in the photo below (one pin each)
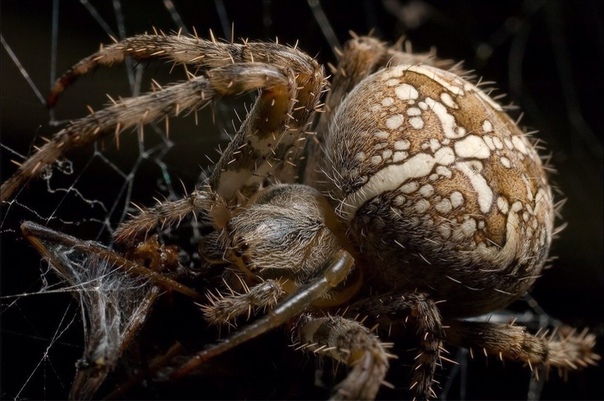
(442, 191)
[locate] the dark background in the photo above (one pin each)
(548, 56)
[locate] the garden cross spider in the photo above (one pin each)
(421, 202)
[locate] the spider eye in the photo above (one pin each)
(84, 363)
(240, 246)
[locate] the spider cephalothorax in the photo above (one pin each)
(422, 201)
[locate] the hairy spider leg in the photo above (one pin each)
(280, 115)
(226, 308)
(336, 270)
(290, 82)
(564, 349)
(349, 342)
(420, 311)
(123, 114)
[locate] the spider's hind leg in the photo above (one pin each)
(564, 351)
(349, 342)
(420, 311)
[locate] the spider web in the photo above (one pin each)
(540, 53)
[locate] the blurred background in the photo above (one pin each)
(548, 56)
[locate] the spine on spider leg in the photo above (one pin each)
(252, 153)
(172, 100)
(291, 82)
(180, 49)
(224, 309)
(569, 350)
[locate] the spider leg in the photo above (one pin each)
(171, 213)
(349, 342)
(417, 309)
(186, 50)
(223, 309)
(565, 351)
(336, 269)
(272, 134)
(122, 115)
(193, 94)
(290, 89)
(283, 111)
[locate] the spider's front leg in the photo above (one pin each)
(333, 273)
(132, 112)
(289, 81)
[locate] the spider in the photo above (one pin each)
(413, 202)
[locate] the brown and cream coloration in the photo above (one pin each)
(444, 185)
(421, 202)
